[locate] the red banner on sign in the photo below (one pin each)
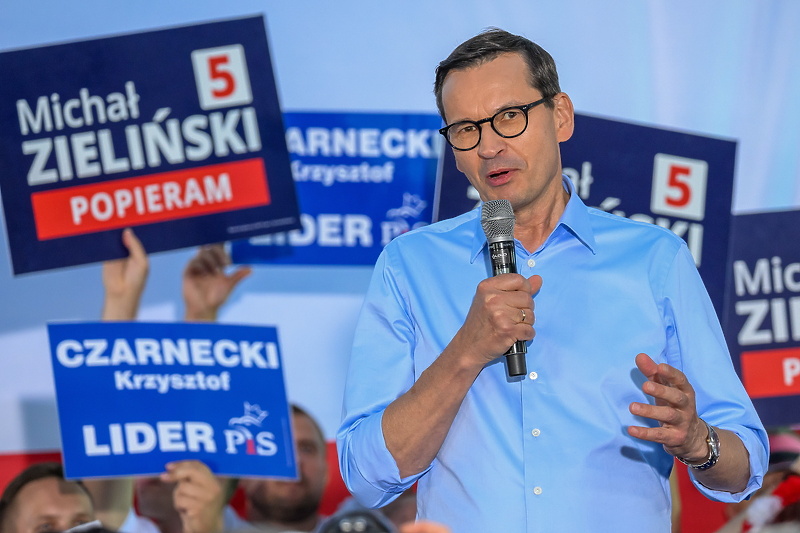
(771, 372)
(114, 204)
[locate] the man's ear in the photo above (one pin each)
(564, 116)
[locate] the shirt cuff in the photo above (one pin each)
(757, 451)
(373, 477)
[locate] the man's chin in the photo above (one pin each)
(289, 508)
(288, 487)
(288, 493)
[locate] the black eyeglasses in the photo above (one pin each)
(509, 122)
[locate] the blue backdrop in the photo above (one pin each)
(724, 70)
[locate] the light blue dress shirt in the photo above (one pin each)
(549, 452)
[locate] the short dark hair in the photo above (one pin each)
(297, 410)
(33, 473)
(489, 44)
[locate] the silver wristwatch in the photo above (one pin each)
(713, 451)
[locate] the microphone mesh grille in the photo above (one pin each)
(497, 219)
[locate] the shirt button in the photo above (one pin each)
(531, 263)
(537, 490)
(536, 432)
(533, 375)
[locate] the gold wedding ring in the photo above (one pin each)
(523, 315)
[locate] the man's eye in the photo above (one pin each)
(510, 114)
(45, 527)
(464, 129)
(308, 448)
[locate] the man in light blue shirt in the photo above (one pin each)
(585, 441)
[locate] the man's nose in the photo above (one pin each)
(491, 143)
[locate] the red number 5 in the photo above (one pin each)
(216, 66)
(677, 180)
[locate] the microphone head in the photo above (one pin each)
(497, 219)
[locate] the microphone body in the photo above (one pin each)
(497, 219)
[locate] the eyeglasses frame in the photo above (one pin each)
(524, 108)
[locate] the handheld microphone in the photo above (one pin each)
(497, 219)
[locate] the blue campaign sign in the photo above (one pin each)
(176, 132)
(762, 314)
(361, 178)
(134, 396)
(681, 181)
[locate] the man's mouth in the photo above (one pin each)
(497, 174)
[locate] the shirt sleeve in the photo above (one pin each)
(697, 346)
(137, 524)
(381, 369)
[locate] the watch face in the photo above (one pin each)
(713, 450)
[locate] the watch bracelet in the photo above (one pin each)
(713, 450)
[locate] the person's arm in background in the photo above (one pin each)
(424, 526)
(206, 285)
(124, 280)
(123, 284)
(200, 497)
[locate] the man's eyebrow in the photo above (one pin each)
(496, 110)
(314, 443)
(50, 516)
(40, 517)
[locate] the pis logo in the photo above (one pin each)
(243, 433)
(404, 218)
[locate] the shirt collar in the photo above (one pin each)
(575, 220)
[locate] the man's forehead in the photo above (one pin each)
(493, 84)
(45, 515)
(504, 61)
(70, 487)
(304, 428)
(48, 489)
(48, 500)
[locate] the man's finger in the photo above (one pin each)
(238, 275)
(657, 434)
(666, 394)
(646, 365)
(536, 283)
(662, 414)
(220, 257)
(669, 375)
(507, 282)
(132, 243)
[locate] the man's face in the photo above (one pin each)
(292, 501)
(49, 504)
(526, 170)
(154, 498)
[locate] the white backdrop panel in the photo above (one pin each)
(728, 69)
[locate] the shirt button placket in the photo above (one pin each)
(533, 376)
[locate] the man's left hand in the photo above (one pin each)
(681, 431)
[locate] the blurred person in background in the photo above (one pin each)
(187, 497)
(275, 505)
(40, 500)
